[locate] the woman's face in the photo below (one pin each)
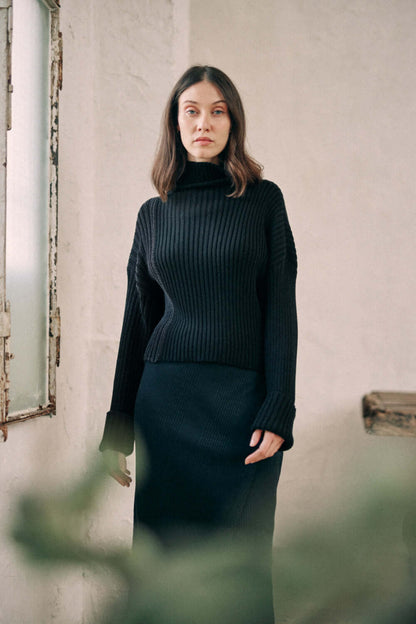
(203, 122)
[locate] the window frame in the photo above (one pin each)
(6, 318)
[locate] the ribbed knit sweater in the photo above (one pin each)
(210, 279)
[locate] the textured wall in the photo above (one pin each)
(329, 96)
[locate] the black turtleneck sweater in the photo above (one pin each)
(210, 279)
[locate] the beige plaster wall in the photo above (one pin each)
(329, 94)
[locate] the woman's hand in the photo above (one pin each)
(116, 465)
(270, 444)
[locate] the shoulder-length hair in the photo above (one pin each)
(171, 156)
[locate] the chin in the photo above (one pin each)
(205, 157)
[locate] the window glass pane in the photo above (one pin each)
(27, 206)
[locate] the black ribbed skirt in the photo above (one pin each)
(195, 421)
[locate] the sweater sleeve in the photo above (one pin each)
(277, 412)
(143, 309)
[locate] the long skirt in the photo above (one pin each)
(195, 420)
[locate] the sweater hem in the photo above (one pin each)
(161, 360)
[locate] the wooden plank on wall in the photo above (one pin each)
(390, 413)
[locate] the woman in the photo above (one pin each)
(205, 372)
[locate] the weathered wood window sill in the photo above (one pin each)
(390, 413)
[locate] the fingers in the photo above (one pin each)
(255, 438)
(269, 446)
(122, 475)
(116, 464)
(123, 478)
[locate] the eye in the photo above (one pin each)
(190, 111)
(218, 111)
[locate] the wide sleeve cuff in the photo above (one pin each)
(277, 414)
(118, 433)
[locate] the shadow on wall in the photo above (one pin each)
(357, 567)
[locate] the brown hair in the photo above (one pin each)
(171, 156)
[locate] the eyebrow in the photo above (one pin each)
(193, 102)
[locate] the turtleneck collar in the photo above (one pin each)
(202, 174)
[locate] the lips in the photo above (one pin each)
(203, 140)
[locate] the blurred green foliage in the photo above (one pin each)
(355, 567)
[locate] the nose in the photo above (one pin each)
(203, 122)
